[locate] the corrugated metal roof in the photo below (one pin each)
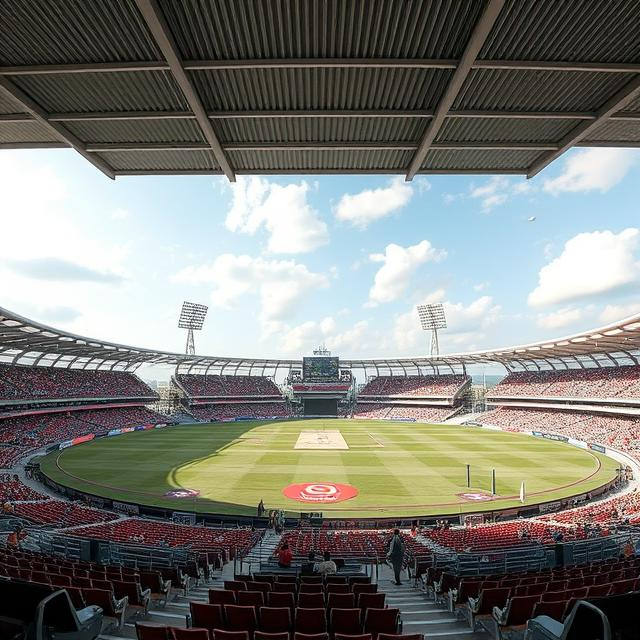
(273, 89)
(135, 91)
(336, 64)
(11, 132)
(108, 131)
(490, 160)
(565, 30)
(233, 29)
(615, 130)
(320, 129)
(328, 160)
(538, 90)
(504, 130)
(9, 105)
(166, 160)
(67, 31)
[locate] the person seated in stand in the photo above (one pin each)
(308, 568)
(284, 556)
(327, 566)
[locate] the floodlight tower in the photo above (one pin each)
(192, 319)
(432, 318)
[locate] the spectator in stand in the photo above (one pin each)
(327, 566)
(261, 508)
(396, 554)
(15, 537)
(285, 556)
(308, 568)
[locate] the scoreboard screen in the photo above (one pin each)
(320, 369)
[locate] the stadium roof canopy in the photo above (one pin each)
(319, 86)
(25, 342)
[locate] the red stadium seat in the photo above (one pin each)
(275, 619)
(310, 621)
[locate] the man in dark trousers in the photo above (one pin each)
(396, 554)
(260, 508)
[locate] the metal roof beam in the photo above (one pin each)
(618, 101)
(57, 129)
(316, 146)
(478, 37)
(322, 63)
(96, 67)
(99, 116)
(157, 24)
(283, 172)
(558, 65)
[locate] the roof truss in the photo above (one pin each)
(462, 86)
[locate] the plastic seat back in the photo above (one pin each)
(275, 619)
(310, 621)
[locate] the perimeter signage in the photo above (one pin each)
(320, 492)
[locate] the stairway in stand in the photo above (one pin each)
(262, 552)
(420, 614)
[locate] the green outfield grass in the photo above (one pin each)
(400, 469)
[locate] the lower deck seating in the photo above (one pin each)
(60, 513)
(156, 533)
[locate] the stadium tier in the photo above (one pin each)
(419, 413)
(226, 410)
(48, 383)
(220, 386)
(606, 382)
(438, 386)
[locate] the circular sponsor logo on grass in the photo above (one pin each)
(475, 497)
(320, 492)
(182, 493)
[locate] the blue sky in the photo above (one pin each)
(287, 263)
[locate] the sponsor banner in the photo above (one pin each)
(577, 443)
(475, 496)
(70, 443)
(182, 493)
(550, 436)
(114, 432)
(597, 447)
(162, 425)
(550, 506)
(320, 387)
(123, 507)
(143, 427)
(401, 419)
(320, 492)
(127, 429)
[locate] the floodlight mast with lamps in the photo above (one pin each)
(432, 318)
(192, 319)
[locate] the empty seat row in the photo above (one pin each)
(303, 587)
(362, 600)
(280, 619)
(147, 631)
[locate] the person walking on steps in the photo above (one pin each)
(396, 554)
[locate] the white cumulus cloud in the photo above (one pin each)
(592, 170)
(361, 209)
(590, 264)
(294, 226)
(559, 319)
(614, 312)
(398, 265)
(279, 284)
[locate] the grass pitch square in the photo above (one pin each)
(399, 469)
